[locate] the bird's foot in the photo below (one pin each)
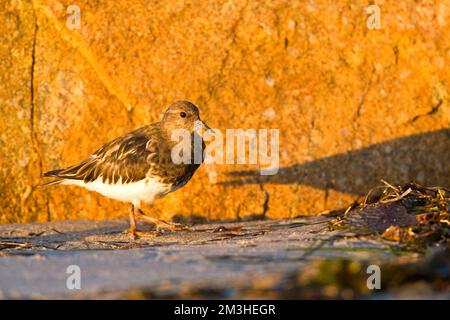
(163, 225)
(134, 234)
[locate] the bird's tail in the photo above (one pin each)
(53, 173)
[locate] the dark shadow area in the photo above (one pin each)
(424, 158)
(195, 219)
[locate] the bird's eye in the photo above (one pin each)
(183, 114)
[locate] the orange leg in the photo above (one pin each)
(132, 231)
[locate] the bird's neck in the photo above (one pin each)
(173, 135)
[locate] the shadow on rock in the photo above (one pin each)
(421, 157)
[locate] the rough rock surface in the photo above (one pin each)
(291, 258)
(353, 105)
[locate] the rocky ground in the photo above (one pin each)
(291, 258)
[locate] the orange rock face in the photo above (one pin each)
(352, 104)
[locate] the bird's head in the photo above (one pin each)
(183, 115)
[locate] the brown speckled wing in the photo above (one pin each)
(125, 159)
(139, 154)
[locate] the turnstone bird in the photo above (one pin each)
(138, 167)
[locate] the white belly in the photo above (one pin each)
(145, 190)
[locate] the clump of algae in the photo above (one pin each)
(430, 206)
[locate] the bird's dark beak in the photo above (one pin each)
(201, 126)
(207, 128)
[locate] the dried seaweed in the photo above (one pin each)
(430, 207)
